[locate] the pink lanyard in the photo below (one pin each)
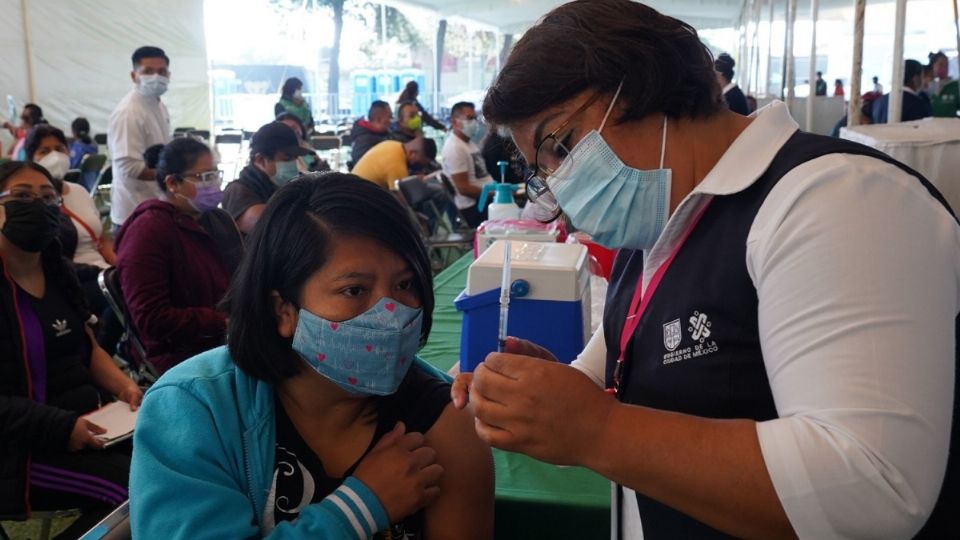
(640, 301)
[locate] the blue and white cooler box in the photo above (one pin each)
(549, 300)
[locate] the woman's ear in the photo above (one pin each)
(171, 181)
(287, 315)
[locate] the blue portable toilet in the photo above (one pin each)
(364, 91)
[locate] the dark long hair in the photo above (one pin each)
(178, 157)
(289, 87)
(81, 129)
(291, 242)
(37, 134)
(596, 44)
(410, 92)
(56, 267)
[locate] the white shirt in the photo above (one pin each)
(137, 123)
(78, 201)
(461, 156)
(857, 271)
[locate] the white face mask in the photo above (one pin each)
(154, 85)
(56, 163)
(298, 95)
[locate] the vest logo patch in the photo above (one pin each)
(672, 334)
(699, 326)
(700, 330)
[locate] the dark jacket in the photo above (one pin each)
(252, 187)
(736, 101)
(172, 276)
(363, 139)
(26, 426)
(915, 107)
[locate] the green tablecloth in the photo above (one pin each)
(534, 499)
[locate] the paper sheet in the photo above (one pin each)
(117, 419)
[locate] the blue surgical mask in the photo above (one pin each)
(617, 205)
(154, 85)
(368, 355)
(474, 129)
(286, 171)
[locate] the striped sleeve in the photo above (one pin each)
(352, 512)
(357, 505)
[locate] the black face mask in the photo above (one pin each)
(31, 225)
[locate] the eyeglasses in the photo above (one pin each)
(205, 177)
(551, 151)
(48, 198)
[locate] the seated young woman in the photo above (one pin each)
(172, 271)
(317, 420)
(82, 238)
(51, 369)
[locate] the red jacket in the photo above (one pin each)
(172, 277)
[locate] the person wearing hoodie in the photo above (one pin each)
(370, 131)
(274, 150)
(172, 271)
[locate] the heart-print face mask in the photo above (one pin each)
(366, 355)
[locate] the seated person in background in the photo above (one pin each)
(82, 238)
(308, 162)
(838, 88)
(463, 163)
(915, 106)
(410, 94)
(317, 420)
(389, 161)
(82, 145)
(370, 131)
(172, 272)
(274, 149)
(409, 123)
(293, 102)
(30, 117)
(51, 369)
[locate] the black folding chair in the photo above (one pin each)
(444, 246)
(130, 349)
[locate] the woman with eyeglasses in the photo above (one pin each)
(51, 369)
(779, 343)
(172, 270)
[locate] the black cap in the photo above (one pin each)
(276, 137)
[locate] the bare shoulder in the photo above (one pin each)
(467, 487)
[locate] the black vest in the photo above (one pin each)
(697, 347)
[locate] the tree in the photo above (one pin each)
(333, 80)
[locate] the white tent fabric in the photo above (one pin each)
(80, 57)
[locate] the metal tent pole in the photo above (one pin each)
(895, 109)
(811, 95)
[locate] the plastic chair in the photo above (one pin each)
(183, 130)
(116, 526)
(228, 138)
(200, 134)
(100, 138)
(140, 368)
(90, 169)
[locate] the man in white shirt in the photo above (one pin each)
(463, 163)
(140, 121)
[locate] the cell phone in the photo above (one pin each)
(11, 109)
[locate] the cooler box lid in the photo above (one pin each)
(554, 271)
